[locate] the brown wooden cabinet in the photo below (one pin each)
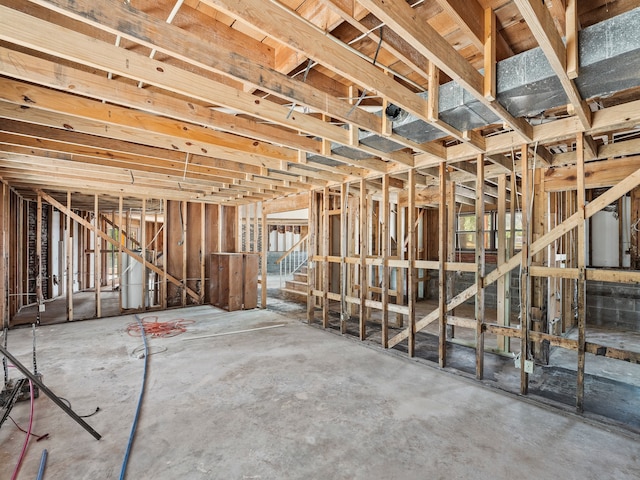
(233, 280)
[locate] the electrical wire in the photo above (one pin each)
(26, 440)
(153, 328)
(134, 425)
(38, 437)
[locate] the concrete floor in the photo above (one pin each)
(289, 402)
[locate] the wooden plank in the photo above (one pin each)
(326, 273)
(97, 257)
(386, 253)
(344, 236)
(363, 245)
(525, 285)
(39, 297)
(572, 28)
(543, 28)
(480, 262)
(265, 253)
(442, 271)
(582, 263)
(313, 249)
(69, 259)
(412, 284)
(489, 48)
(503, 306)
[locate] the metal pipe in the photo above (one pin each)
(25, 371)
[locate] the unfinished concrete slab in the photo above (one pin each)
(286, 402)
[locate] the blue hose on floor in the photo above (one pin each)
(125, 461)
(43, 463)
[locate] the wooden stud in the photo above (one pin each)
(525, 286)
(411, 257)
(185, 230)
(313, 250)
(203, 251)
(582, 284)
(344, 314)
(572, 27)
(363, 230)
(265, 256)
(143, 253)
(165, 251)
(434, 89)
(451, 248)
(489, 87)
(442, 273)
(326, 273)
(120, 239)
(97, 256)
(385, 253)
(39, 298)
(69, 260)
(480, 267)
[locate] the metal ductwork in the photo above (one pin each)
(609, 54)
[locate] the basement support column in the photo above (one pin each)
(69, 260)
(525, 286)
(120, 202)
(480, 259)
(312, 252)
(326, 273)
(411, 257)
(582, 283)
(442, 274)
(386, 253)
(39, 298)
(344, 314)
(97, 254)
(165, 251)
(183, 290)
(363, 259)
(265, 254)
(502, 303)
(143, 251)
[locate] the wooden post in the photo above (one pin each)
(363, 259)
(442, 272)
(344, 314)
(502, 302)
(451, 248)
(256, 206)
(97, 255)
(582, 283)
(143, 252)
(399, 271)
(120, 237)
(165, 251)
(313, 251)
(411, 256)
(326, 273)
(386, 253)
(525, 281)
(203, 251)
(69, 260)
(39, 298)
(480, 267)
(183, 290)
(265, 255)
(4, 255)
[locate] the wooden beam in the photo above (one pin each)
(480, 267)
(68, 239)
(386, 253)
(525, 283)
(400, 17)
(363, 245)
(412, 246)
(543, 28)
(326, 274)
(489, 48)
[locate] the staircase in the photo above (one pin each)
(296, 289)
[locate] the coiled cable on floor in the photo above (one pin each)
(125, 461)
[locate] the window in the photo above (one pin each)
(466, 231)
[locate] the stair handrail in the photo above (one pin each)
(294, 258)
(288, 252)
